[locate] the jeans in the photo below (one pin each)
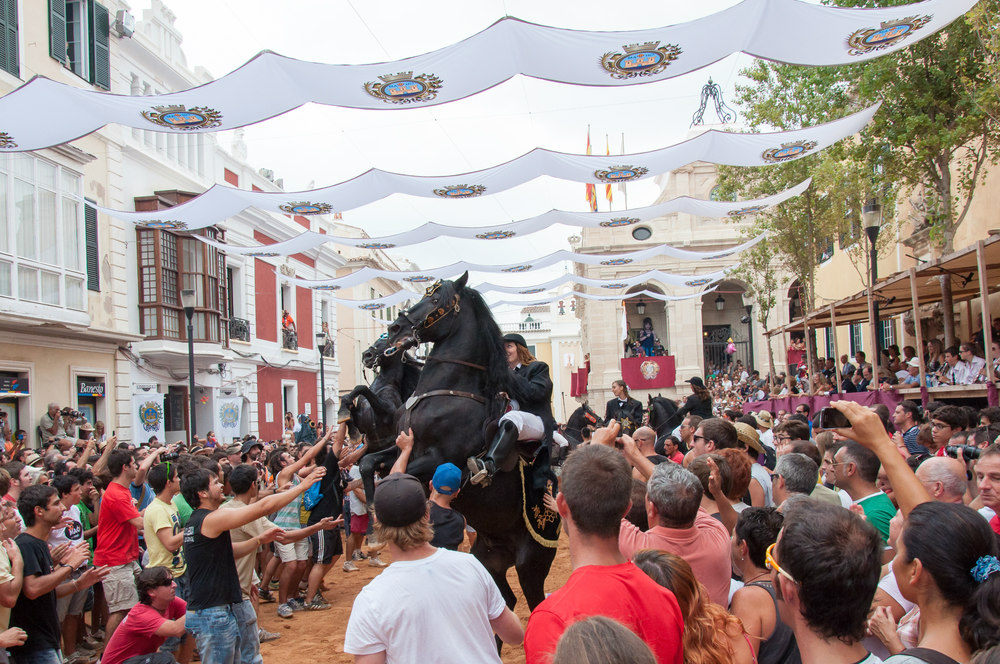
(183, 588)
(46, 656)
(249, 637)
(216, 633)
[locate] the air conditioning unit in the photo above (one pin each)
(124, 23)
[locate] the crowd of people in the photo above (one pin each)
(757, 538)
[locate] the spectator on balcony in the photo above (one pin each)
(289, 333)
(647, 338)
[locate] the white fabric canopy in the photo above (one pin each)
(717, 147)
(701, 208)
(43, 113)
(587, 296)
(608, 284)
(447, 271)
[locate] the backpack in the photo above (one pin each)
(311, 497)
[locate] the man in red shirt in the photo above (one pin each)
(159, 614)
(602, 582)
(118, 526)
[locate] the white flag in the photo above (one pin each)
(147, 417)
(624, 325)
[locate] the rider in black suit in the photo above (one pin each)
(625, 409)
(531, 389)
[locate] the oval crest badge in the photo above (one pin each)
(376, 245)
(371, 306)
(229, 415)
(649, 369)
(496, 235)
(262, 254)
(788, 151)
(617, 285)
(169, 224)
(697, 282)
(742, 212)
(404, 88)
(150, 415)
(530, 291)
(326, 287)
(418, 279)
(179, 117)
(306, 208)
(621, 173)
(889, 33)
(460, 191)
(619, 221)
(646, 59)
(517, 268)
(617, 261)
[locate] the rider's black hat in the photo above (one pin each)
(516, 338)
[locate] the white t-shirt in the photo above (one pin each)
(71, 533)
(767, 438)
(763, 477)
(357, 507)
(436, 609)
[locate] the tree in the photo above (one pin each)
(759, 273)
(936, 134)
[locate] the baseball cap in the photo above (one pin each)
(235, 448)
(696, 381)
(400, 500)
(914, 362)
(447, 479)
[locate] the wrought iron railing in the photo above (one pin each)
(289, 339)
(239, 329)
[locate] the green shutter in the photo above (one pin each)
(100, 46)
(8, 37)
(57, 30)
(93, 255)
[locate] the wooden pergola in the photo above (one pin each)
(974, 273)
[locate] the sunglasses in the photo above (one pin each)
(772, 564)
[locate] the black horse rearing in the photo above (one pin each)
(456, 399)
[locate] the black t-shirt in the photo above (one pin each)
(36, 616)
(449, 527)
(332, 488)
(210, 565)
(657, 459)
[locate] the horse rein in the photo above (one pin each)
(477, 367)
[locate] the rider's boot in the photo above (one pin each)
(483, 468)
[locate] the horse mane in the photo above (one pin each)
(497, 370)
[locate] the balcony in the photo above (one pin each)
(289, 339)
(329, 350)
(526, 326)
(239, 329)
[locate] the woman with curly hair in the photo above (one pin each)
(711, 634)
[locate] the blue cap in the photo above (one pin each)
(447, 479)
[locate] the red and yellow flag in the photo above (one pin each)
(591, 189)
(607, 187)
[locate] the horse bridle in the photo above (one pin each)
(656, 429)
(435, 316)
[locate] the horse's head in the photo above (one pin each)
(430, 319)
(374, 354)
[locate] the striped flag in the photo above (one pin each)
(591, 189)
(607, 187)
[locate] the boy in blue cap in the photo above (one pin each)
(448, 523)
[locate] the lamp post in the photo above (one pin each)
(871, 214)
(322, 339)
(748, 305)
(188, 301)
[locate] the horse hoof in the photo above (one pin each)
(343, 415)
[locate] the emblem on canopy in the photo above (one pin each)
(697, 282)
(742, 212)
(530, 291)
(620, 221)
(169, 224)
(517, 268)
(787, 151)
(621, 173)
(306, 208)
(371, 306)
(326, 287)
(418, 279)
(179, 117)
(496, 235)
(617, 285)
(262, 254)
(617, 261)
(646, 59)
(404, 88)
(460, 191)
(376, 245)
(890, 33)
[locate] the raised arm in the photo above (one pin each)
(287, 472)
(404, 441)
(101, 466)
(220, 520)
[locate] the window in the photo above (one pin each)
(8, 37)
(829, 342)
(169, 263)
(887, 330)
(80, 38)
(856, 338)
(41, 232)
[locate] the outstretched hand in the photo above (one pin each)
(404, 441)
(606, 435)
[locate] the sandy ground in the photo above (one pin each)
(319, 636)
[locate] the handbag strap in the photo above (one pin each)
(929, 656)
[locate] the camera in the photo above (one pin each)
(830, 418)
(968, 451)
(170, 456)
(69, 412)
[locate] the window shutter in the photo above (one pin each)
(100, 46)
(57, 30)
(8, 37)
(93, 255)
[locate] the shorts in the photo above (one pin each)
(289, 553)
(72, 604)
(359, 523)
(327, 545)
(119, 587)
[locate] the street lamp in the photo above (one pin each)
(748, 305)
(720, 303)
(871, 214)
(322, 339)
(188, 301)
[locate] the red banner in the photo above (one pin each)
(574, 384)
(584, 378)
(646, 373)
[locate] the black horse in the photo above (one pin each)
(664, 417)
(378, 407)
(456, 403)
(581, 417)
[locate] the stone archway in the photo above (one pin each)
(722, 318)
(638, 309)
